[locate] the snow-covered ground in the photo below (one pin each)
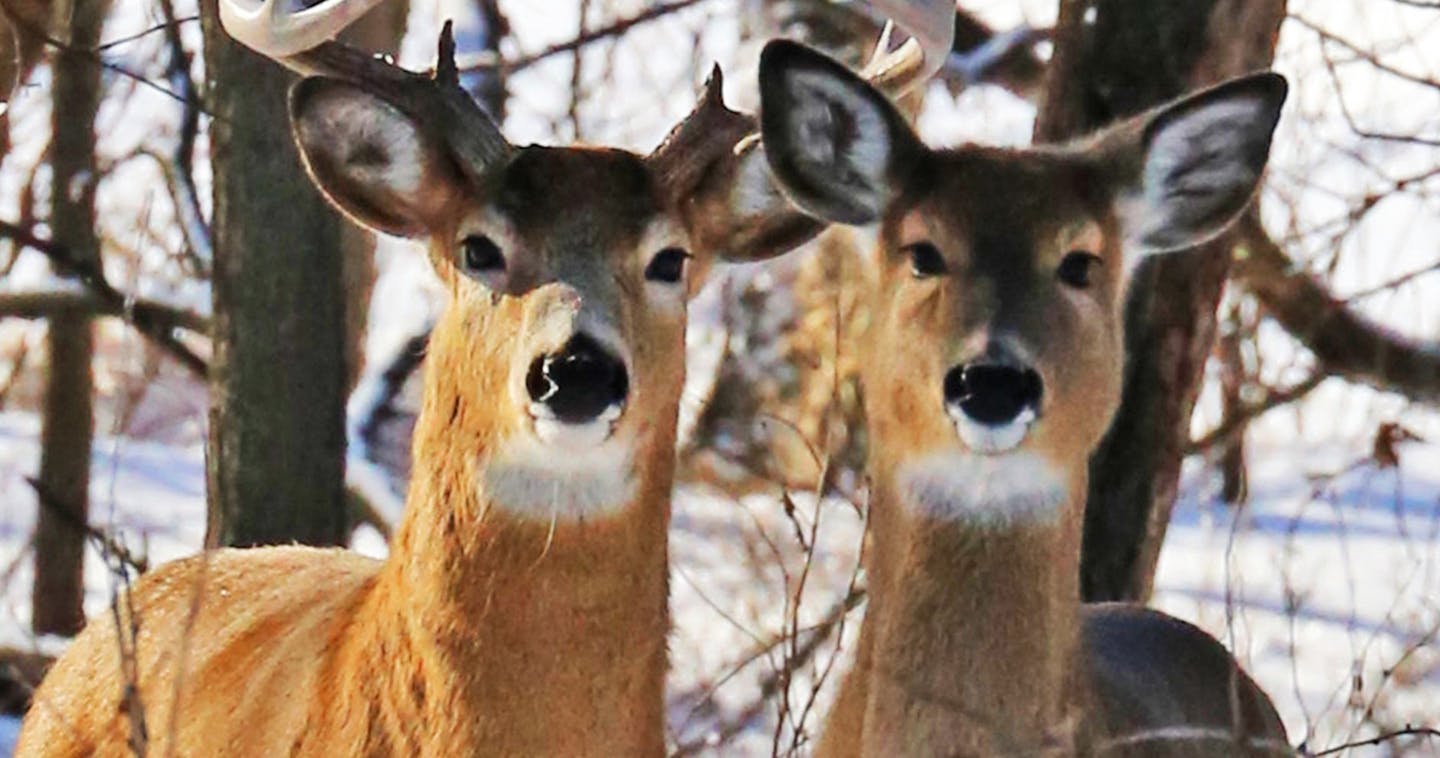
(1327, 586)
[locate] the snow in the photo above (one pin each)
(9, 734)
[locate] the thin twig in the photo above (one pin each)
(1409, 731)
(1243, 415)
(67, 513)
(614, 29)
(49, 303)
(173, 23)
(148, 323)
(29, 28)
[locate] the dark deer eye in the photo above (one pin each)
(925, 259)
(667, 266)
(1077, 268)
(480, 255)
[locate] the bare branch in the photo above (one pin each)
(25, 26)
(1409, 731)
(39, 305)
(1344, 342)
(614, 29)
(107, 544)
(173, 23)
(144, 321)
(1362, 54)
(1241, 417)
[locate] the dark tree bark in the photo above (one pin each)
(1128, 56)
(64, 480)
(1230, 355)
(276, 448)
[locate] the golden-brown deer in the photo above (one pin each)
(991, 369)
(523, 608)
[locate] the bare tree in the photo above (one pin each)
(64, 481)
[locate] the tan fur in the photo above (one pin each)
(972, 644)
(483, 633)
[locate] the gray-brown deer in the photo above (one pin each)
(523, 608)
(992, 367)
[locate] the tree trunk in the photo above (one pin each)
(276, 447)
(64, 481)
(1129, 55)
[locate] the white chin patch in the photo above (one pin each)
(578, 437)
(564, 473)
(1007, 489)
(987, 439)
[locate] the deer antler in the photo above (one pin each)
(276, 31)
(931, 26)
(303, 40)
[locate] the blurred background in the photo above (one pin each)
(195, 350)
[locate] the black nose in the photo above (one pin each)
(579, 382)
(991, 393)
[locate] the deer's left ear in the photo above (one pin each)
(839, 148)
(1191, 167)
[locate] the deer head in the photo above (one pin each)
(561, 352)
(996, 342)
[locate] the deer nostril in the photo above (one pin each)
(578, 382)
(992, 394)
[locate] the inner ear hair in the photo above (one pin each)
(1199, 163)
(372, 161)
(835, 144)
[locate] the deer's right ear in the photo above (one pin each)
(838, 148)
(372, 161)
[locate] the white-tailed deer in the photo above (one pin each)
(992, 368)
(523, 608)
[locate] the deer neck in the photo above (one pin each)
(972, 628)
(534, 636)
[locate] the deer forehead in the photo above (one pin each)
(1009, 210)
(579, 201)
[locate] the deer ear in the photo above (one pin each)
(838, 148)
(370, 159)
(1198, 164)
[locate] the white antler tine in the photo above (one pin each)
(931, 26)
(270, 28)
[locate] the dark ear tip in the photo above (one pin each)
(1268, 85)
(1274, 86)
(778, 52)
(782, 54)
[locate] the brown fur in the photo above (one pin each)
(972, 643)
(483, 633)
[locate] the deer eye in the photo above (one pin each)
(1077, 268)
(667, 266)
(925, 259)
(480, 255)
